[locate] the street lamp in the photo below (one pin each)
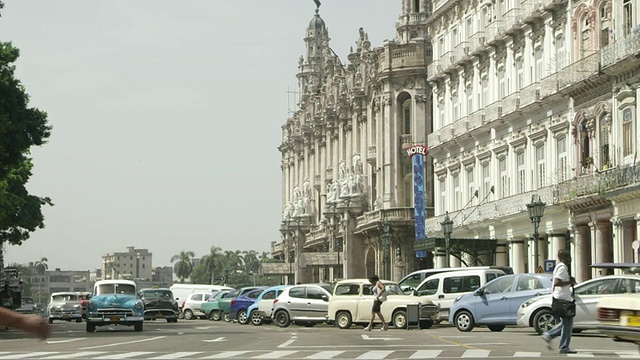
(447, 229)
(290, 276)
(536, 210)
(338, 248)
(386, 238)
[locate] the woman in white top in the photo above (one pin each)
(380, 294)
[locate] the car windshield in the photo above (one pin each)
(328, 287)
(84, 296)
(26, 301)
(157, 294)
(393, 289)
(117, 289)
(64, 297)
(232, 294)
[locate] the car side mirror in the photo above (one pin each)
(177, 299)
(325, 298)
(479, 292)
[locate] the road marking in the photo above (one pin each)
(366, 337)
(324, 355)
(178, 355)
(527, 354)
(204, 327)
(579, 354)
(226, 355)
(453, 342)
(216, 339)
(274, 355)
(75, 355)
(425, 354)
(474, 353)
(125, 355)
(287, 343)
(375, 354)
(64, 341)
(28, 355)
(122, 343)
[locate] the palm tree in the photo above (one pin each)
(183, 266)
(251, 262)
(211, 261)
(41, 265)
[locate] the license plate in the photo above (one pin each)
(65, 316)
(115, 318)
(160, 316)
(634, 321)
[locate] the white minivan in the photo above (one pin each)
(444, 288)
(182, 291)
(413, 280)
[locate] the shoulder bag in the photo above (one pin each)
(563, 308)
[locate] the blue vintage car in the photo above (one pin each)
(114, 302)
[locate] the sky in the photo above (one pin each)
(166, 118)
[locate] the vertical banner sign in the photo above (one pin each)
(417, 153)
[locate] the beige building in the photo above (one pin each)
(42, 285)
(131, 264)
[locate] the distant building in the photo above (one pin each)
(162, 275)
(132, 264)
(42, 285)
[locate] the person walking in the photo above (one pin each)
(380, 294)
(562, 294)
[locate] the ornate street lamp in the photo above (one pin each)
(447, 229)
(536, 211)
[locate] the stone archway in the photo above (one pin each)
(370, 262)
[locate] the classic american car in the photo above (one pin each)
(64, 306)
(159, 304)
(619, 316)
(114, 302)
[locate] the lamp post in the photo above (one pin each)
(290, 276)
(386, 240)
(447, 229)
(536, 211)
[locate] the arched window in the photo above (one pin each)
(585, 34)
(585, 146)
(405, 114)
(416, 5)
(604, 25)
(604, 141)
(627, 132)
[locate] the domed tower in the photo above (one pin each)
(310, 67)
(412, 23)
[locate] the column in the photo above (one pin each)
(582, 253)
(603, 246)
(556, 243)
(519, 263)
(454, 261)
(388, 181)
(439, 261)
(502, 253)
(618, 240)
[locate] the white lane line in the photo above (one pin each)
(125, 355)
(177, 355)
(122, 343)
(375, 354)
(527, 354)
(64, 341)
(629, 356)
(28, 355)
(579, 354)
(425, 354)
(476, 354)
(226, 355)
(274, 355)
(324, 355)
(287, 343)
(83, 354)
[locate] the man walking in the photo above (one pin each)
(562, 291)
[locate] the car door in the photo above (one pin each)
(317, 303)
(527, 287)
(492, 301)
(297, 302)
(365, 302)
(194, 301)
(587, 297)
(265, 305)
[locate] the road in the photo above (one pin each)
(202, 339)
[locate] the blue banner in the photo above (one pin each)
(417, 153)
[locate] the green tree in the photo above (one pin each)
(250, 261)
(211, 264)
(183, 266)
(21, 127)
(200, 274)
(41, 265)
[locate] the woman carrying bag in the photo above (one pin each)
(563, 305)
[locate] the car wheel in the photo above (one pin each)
(188, 314)
(464, 321)
(496, 328)
(138, 326)
(50, 321)
(215, 315)
(91, 327)
(343, 320)
(400, 319)
(256, 318)
(242, 317)
(281, 318)
(227, 317)
(78, 320)
(543, 321)
(577, 331)
(426, 324)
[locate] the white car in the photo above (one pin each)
(193, 303)
(352, 301)
(536, 312)
(304, 304)
(619, 316)
(64, 306)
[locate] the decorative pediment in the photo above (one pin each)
(518, 141)
(537, 131)
(559, 125)
(468, 160)
(500, 147)
(440, 170)
(483, 154)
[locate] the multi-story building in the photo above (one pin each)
(536, 98)
(162, 275)
(42, 285)
(347, 185)
(133, 263)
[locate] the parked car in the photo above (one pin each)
(64, 306)
(352, 301)
(115, 302)
(239, 306)
(224, 304)
(411, 282)
(304, 304)
(619, 316)
(496, 304)
(84, 297)
(211, 308)
(28, 306)
(182, 291)
(260, 310)
(191, 307)
(159, 304)
(536, 312)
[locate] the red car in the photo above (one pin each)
(84, 299)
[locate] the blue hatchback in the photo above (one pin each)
(260, 311)
(240, 304)
(496, 304)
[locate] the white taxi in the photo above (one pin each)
(619, 317)
(352, 301)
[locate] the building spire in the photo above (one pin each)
(317, 5)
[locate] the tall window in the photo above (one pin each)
(457, 191)
(504, 177)
(441, 46)
(443, 194)
(469, 91)
(456, 106)
(561, 58)
(408, 184)
(442, 114)
(627, 132)
(585, 34)
(522, 172)
(454, 38)
(485, 90)
(519, 73)
(469, 27)
(471, 182)
(486, 180)
(627, 17)
(604, 142)
(502, 85)
(585, 144)
(416, 5)
(406, 116)
(539, 63)
(374, 133)
(561, 146)
(540, 168)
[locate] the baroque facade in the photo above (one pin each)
(347, 185)
(537, 98)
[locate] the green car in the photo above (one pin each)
(211, 308)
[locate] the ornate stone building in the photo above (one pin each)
(347, 185)
(537, 98)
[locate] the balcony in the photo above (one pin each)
(513, 20)
(463, 52)
(530, 95)
(511, 104)
(406, 141)
(535, 10)
(579, 71)
(599, 183)
(434, 70)
(476, 119)
(495, 32)
(620, 50)
(478, 42)
(370, 218)
(372, 154)
(493, 112)
(447, 60)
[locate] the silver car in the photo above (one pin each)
(305, 304)
(64, 306)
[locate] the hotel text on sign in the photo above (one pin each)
(417, 150)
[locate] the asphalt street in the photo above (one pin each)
(203, 339)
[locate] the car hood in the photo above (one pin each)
(62, 304)
(159, 303)
(114, 300)
(411, 299)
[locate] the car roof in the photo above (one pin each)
(361, 281)
(115, 281)
(64, 293)
(463, 273)
(154, 289)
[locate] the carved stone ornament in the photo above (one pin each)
(420, 98)
(375, 105)
(386, 100)
(322, 142)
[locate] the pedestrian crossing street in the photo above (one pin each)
(308, 354)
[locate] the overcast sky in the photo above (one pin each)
(166, 118)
